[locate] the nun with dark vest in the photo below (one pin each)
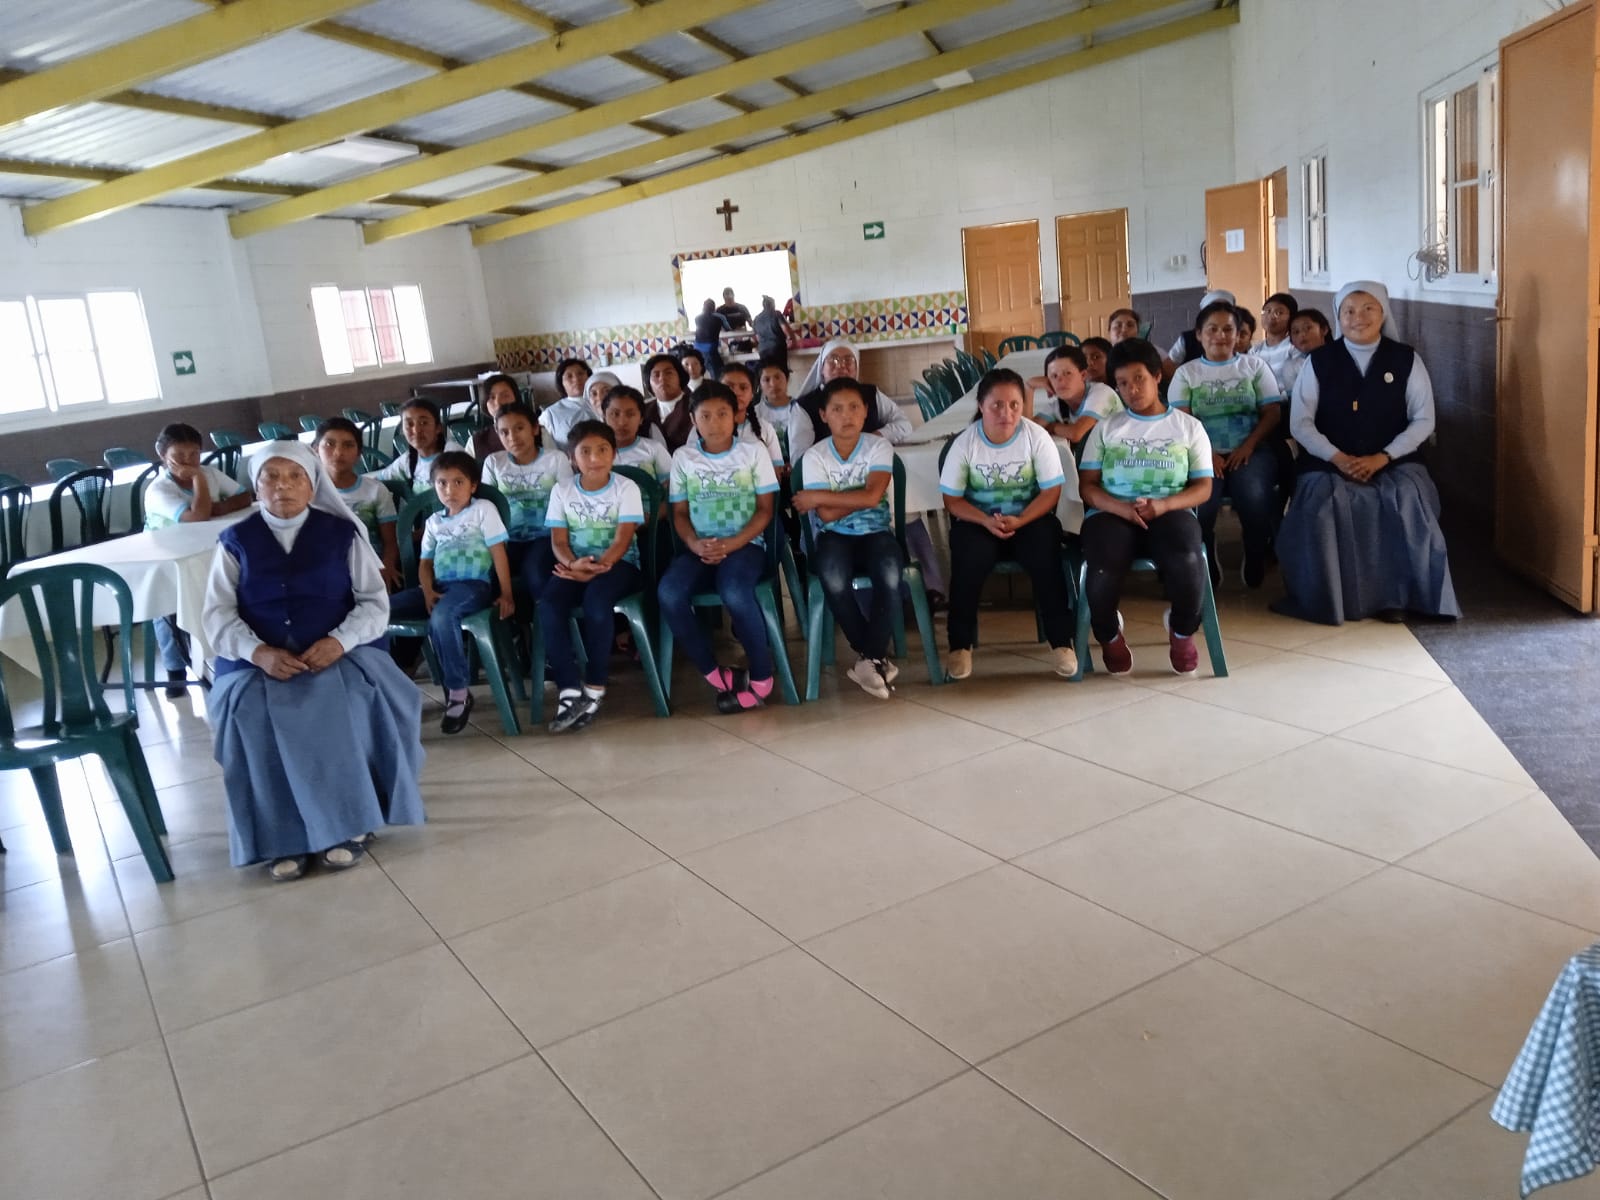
(317, 731)
(1361, 537)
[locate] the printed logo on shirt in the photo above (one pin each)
(1145, 466)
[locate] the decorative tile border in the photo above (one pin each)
(939, 314)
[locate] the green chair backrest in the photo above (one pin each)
(275, 431)
(136, 498)
(423, 505)
(359, 416)
(90, 492)
(59, 468)
(373, 460)
(1020, 341)
(122, 456)
(15, 504)
(11, 480)
(58, 605)
(309, 422)
(461, 431)
(226, 439)
(391, 408)
(1060, 337)
(926, 402)
(1144, 330)
(651, 493)
(988, 358)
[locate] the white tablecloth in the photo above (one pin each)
(165, 569)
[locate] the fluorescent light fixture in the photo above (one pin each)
(365, 150)
(953, 80)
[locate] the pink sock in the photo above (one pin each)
(759, 690)
(721, 679)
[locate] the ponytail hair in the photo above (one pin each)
(412, 452)
(750, 415)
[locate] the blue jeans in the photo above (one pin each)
(171, 642)
(712, 353)
(596, 599)
(840, 557)
(457, 599)
(1251, 488)
(734, 579)
(531, 563)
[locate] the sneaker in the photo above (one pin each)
(888, 670)
(1116, 656)
(1066, 661)
(1183, 653)
(866, 676)
(575, 713)
(958, 664)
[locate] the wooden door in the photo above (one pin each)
(1278, 228)
(1003, 296)
(1545, 518)
(1237, 241)
(1092, 257)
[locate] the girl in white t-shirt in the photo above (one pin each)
(1076, 403)
(526, 472)
(1143, 473)
(1001, 481)
(423, 429)
(741, 381)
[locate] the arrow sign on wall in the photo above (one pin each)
(872, 231)
(183, 362)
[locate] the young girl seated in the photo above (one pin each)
(1001, 482)
(499, 390)
(316, 729)
(847, 478)
(593, 518)
(625, 414)
(1276, 346)
(526, 474)
(1308, 330)
(426, 438)
(722, 495)
(741, 381)
(1076, 403)
(339, 448)
(185, 491)
(1095, 352)
(559, 418)
(1235, 398)
(463, 568)
(778, 410)
(666, 416)
(1144, 471)
(1122, 325)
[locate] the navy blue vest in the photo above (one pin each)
(291, 599)
(811, 404)
(1360, 414)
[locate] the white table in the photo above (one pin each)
(37, 539)
(165, 569)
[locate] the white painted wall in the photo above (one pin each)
(1148, 133)
(1349, 77)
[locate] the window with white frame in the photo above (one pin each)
(370, 327)
(1314, 205)
(74, 351)
(1460, 126)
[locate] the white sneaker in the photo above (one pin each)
(889, 671)
(866, 677)
(1066, 661)
(958, 664)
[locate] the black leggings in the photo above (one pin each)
(1172, 542)
(1036, 547)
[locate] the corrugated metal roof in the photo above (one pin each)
(477, 119)
(863, 63)
(618, 137)
(303, 170)
(887, 99)
(469, 181)
(39, 33)
(105, 135)
(780, 22)
(294, 74)
(681, 53)
(581, 12)
(1039, 54)
(995, 21)
(598, 80)
(456, 28)
(764, 94)
(35, 187)
(698, 114)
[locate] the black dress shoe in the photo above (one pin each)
(177, 685)
(456, 724)
(1391, 616)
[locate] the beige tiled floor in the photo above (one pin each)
(1274, 936)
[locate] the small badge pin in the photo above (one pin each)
(1388, 376)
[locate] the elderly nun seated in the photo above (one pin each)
(316, 729)
(1361, 537)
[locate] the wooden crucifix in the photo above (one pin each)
(726, 213)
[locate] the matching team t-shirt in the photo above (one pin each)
(721, 489)
(166, 500)
(591, 518)
(1225, 397)
(372, 505)
(1002, 477)
(459, 545)
(783, 422)
(421, 476)
(1099, 401)
(647, 455)
(527, 488)
(1148, 457)
(824, 470)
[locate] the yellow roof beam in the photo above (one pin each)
(374, 112)
(160, 52)
(887, 118)
(1079, 23)
(606, 116)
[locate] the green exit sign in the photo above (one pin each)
(872, 231)
(183, 362)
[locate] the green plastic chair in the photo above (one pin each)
(309, 422)
(1020, 341)
(276, 431)
(59, 468)
(820, 628)
(123, 456)
(487, 631)
(461, 432)
(391, 408)
(766, 588)
(16, 502)
(372, 460)
(89, 491)
(967, 368)
(369, 425)
(1208, 619)
(927, 402)
(136, 497)
(954, 385)
(637, 609)
(987, 357)
(58, 604)
(229, 450)
(1060, 337)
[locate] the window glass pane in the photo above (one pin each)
(413, 324)
(123, 338)
(329, 314)
(385, 326)
(358, 328)
(1464, 118)
(1464, 245)
(19, 367)
(70, 345)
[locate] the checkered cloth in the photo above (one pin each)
(1553, 1089)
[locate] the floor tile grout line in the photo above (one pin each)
(1471, 891)
(1435, 762)
(1387, 1163)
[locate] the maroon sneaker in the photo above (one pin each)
(1115, 654)
(1185, 655)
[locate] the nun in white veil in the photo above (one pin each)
(317, 731)
(1361, 537)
